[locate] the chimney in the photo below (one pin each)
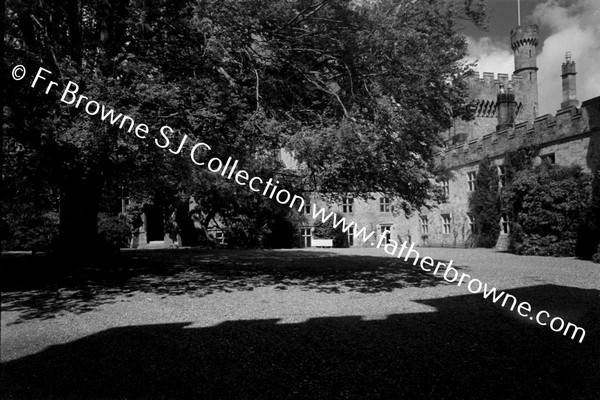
(569, 86)
(506, 108)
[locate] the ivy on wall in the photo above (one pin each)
(484, 204)
(588, 239)
(546, 203)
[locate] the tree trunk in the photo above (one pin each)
(78, 229)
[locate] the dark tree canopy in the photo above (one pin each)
(356, 90)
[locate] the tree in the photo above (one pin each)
(484, 203)
(358, 91)
(382, 89)
(548, 202)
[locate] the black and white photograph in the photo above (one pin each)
(300, 199)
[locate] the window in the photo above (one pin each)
(471, 177)
(351, 236)
(384, 204)
(307, 209)
(306, 237)
(124, 199)
(501, 176)
(548, 159)
(424, 225)
(446, 189)
(471, 218)
(220, 237)
(504, 225)
(347, 205)
(446, 223)
(386, 230)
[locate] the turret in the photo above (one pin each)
(569, 85)
(524, 41)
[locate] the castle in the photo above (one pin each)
(506, 118)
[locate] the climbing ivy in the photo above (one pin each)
(484, 204)
(547, 203)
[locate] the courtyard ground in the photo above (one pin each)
(317, 324)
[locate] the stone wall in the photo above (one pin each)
(573, 131)
(572, 135)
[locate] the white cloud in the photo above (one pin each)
(574, 27)
(571, 26)
(491, 56)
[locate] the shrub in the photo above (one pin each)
(28, 228)
(113, 231)
(596, 257)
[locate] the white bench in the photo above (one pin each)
(322, 243)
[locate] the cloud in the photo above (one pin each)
(570, 26)
(491, 56)
(574, 27)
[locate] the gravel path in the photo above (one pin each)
(323, 333)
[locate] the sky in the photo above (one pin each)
(565, 25)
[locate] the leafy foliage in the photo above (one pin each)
(519, 160)
(357, 90)
(547, 202)
(114, 232)
(596, 256)
(29, 228)
(484, 204)
(588, 239)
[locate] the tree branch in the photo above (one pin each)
(48, 46)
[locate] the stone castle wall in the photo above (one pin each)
(572, 135)
(568, 126)
(484, 91)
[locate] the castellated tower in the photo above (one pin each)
(524, 41)
(519, 94)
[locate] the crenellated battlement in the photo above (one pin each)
(567, 122)
(493, 80)
(524, 36)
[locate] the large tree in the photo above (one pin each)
(357, 90)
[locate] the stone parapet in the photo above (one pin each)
(547, 128)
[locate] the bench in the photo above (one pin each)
(322, 243)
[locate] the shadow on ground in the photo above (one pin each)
(37, 289)
(467, 349)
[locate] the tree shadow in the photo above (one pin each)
(38, 290)
(467, 349)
